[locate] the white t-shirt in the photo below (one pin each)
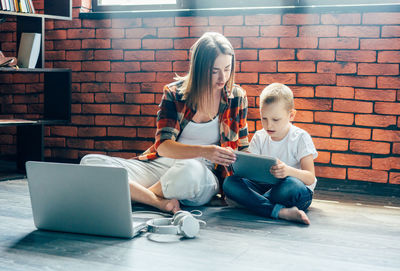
(205, 133)
(294, 146)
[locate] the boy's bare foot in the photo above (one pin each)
(169, 205)
(294, 214)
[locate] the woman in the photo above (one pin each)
(202, 118)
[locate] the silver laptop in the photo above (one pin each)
(254, 167)
(81, 199)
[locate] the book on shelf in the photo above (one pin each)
(30, 7)
(8, 4)
(15, 2)
(29, 49)
(22, 5)
(24, 2)
(25, 6)
(5, 5)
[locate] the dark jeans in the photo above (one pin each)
(265, 199)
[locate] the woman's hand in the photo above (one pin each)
(280, 170)
(219, 155)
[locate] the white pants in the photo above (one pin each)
(187, 180)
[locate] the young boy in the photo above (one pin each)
(295, 151)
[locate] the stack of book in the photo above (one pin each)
(17, 6)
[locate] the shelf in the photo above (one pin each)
(53, 122)
(38, 15)
(16, 122)
(26, 70)
(53, 9)
(21, 122)
(56, 83)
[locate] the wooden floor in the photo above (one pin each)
(348, 232)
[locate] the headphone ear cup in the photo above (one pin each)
(189, 226)
(178, 217)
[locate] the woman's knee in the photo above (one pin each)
(185, 180)
(92, 159)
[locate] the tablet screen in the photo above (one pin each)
(254, 167)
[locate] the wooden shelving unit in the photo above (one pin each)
(57, 84)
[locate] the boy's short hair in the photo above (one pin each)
(277, 92)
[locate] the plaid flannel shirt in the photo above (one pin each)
(174, 115)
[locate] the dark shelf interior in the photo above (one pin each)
(8, 171)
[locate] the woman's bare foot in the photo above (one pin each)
(294, 214)
(143, 195)
(169, 205)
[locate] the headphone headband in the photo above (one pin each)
(162, 226)
(182, 223)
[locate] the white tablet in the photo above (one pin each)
(254, 167)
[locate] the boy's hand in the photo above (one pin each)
(280, 170)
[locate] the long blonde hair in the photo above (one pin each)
(197, 84)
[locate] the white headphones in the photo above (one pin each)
(182, 223)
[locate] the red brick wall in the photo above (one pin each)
(342, 67)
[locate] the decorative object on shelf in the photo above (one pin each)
(8, 61)
(29, 49)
